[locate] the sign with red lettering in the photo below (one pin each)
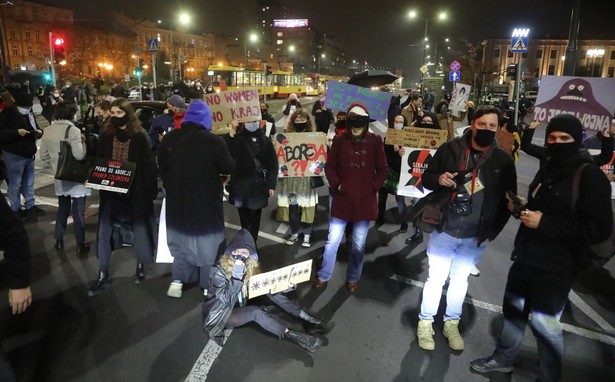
(241, 104)
(112, 175)
(413, 164)
(301, 154)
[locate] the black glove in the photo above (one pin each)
(239, 269)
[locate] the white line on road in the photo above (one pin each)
(282, 229)
(206, 359)
(262, 234)
(498, 309)
(585, 308)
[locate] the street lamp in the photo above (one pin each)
(439, 17)
(253, 38)
(322, 55)
(593, 53)
(183, 19)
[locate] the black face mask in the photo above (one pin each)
(358, 122)
(300, 126)
(484, 138)
(560, 151)
(263, 111)
(118, 122)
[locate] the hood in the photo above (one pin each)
(242, 239)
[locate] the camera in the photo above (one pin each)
(462, 204)
(518, 206)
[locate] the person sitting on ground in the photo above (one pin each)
(226, 305)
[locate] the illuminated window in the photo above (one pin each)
(30, 52)
(28, 36)
(15, 50)
(280, 42)
(280, 34)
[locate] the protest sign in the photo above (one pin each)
(416, 137)
(609, 170)
(459, 98)
(592, 100)
(242, 105)
(413, 163)
(280, 279)
(341, 95)
(163, 253)
(112, 175)
(301, 154)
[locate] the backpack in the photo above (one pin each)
(593, 256)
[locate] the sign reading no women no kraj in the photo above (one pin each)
(340, 96)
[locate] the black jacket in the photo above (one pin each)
(269, 118)
(323, 118)
(557, 240)
(249, 185)
(12, 120)
(497, 173)
(14, 243)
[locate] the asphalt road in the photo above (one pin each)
(136, 333)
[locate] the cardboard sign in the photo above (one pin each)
(592, 100)
(460, 96)
(112, 175)
(280, 279)
(340, 96)
(413, 164)
(505, 140)
(242, 105)
(301, 154)
(416, 137)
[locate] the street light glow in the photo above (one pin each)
(442, 16)
(291, 48)
(412, 14)
(253, 37)
(184, 18)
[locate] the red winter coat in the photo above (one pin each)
(360, 168)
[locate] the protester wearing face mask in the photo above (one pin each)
(256, 172)
(177, 109)
(19, 132)
(267, 117)
(323, 116)
(52, 99)
(291, 106)
(161, 125)
(297, 199)
(123, 140)
(474, 175)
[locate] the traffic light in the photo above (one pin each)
(269, 70)
(58, 49)
(47, 77)
(138, 72)
(511, 71)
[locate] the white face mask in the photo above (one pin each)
(251, 126)
(321, 99)
(398, 125)
(23, 110)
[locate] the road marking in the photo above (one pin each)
(591, 313)
(206, 359)
(282, 229)
(498, 309)
(262, 234)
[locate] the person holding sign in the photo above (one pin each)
(226, 305)
(297, 199)
(123, 141)
(193, 191)
(292, 105)
(356, 169)
(323, 116)
(476, 174)
(256, 173)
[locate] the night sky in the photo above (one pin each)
(383, 35)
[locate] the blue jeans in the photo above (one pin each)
(64, 209)
(544, 294)
(448, 257)
(355, 260)
(20, 173)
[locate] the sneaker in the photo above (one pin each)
(306, 241)
(451, 331)
(425, 334)
(175, 289)
(474, 272)
(489, 364)
(292, 239)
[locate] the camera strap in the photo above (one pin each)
(464, 165)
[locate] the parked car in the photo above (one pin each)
(146, 111)
(532, 95)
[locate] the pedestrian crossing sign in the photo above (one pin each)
(518, 44)
(152, 45)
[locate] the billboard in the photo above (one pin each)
(290, 23)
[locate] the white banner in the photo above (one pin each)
(413, 164)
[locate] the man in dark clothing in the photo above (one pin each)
(14, 242)
(194, 211)
(477, 174)
(428, 100)
(549, 249)
(161, 125)
(323, 116)
(267, 117)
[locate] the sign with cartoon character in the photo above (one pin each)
(460, 96)
(592, 100)
(301, 154)
(413, 164)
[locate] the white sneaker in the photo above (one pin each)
(175, 289)
(292, 239)
(475, 271)
(306, 241)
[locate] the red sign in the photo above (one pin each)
(455, 66)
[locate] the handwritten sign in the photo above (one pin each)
(280, 279)
(413, 164)
(301, 154)
(111, 175)
(242, 105)
(416, 137)
(592, 100)
(340, 96)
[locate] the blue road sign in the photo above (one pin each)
(519, 44)
(454, 76)
(152, 45)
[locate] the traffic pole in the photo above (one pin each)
(154, 69)
(518, 88)
(264, 82)
(51, 63)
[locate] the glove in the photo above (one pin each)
(239, 269)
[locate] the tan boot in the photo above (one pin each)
(425, 334)
(451, 331)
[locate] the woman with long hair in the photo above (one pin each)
(122, 140)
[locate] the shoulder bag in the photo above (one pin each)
(69, 168)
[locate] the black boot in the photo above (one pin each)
(59, 245)
(101, 283)
(140, 273)
(417, 238)
(313, 325)
(309, 343)
(82, 248)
